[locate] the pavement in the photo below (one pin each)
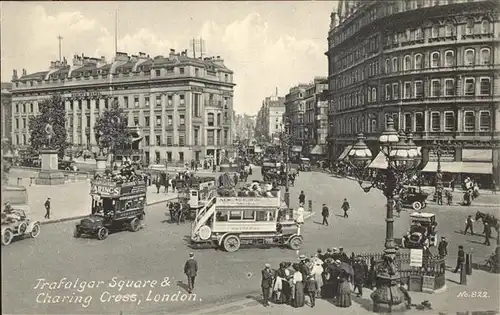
(161, 249)
(72, 200)
(486, 198)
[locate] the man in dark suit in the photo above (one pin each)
(460, 258)
(267, 283)
(191, 270)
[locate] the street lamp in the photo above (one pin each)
(402, 157)
(285, 141)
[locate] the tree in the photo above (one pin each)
(52, 111)
(6, 165)
(111, 129)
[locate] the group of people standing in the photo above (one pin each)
(327, 275)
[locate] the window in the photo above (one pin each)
(210, 119)
(196, 72)
(368, 97)
(181, 120)
(387, 92)
(31, 108)
(136, 101)
(196, 136)
(248, 215)
(485, 27)
(387, 66)
(449, 87)
(17, 123)
(136, 121)
(170, 70)
(418, 61)
(125, 102)
(485, 56)
(435, 121)
(485, 86)
(395, 91)
(436, 88)
(169, 156)
(469, 27)
(196, 105)
(469, 57)
(435, 31)
(449, 58)
(435, 59)
(158, 140)
(408, 122)
(419, 122)
(469, 87)
(181, 98)
(418, 34)
(469, 121)
(158, 73)
(181, 156)
(226, 78)
(146, 139)
(24, 139)
(170, 120)
(210, 137)
(170, 100)
(395, 119)
(449, 29)
(147, 121)
(449, 121)
(170, 141)
(407, 63)
(158, 100)
(407, 90)
(158, 120)
(146, 101)
(374, 94)
(484, 120)
(394, 64)
(235, 215)
(181, 140)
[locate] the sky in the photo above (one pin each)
(268, 44)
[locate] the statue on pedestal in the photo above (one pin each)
(49, 131)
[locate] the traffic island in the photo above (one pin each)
(50, 174)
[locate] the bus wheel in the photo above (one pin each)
(135, 224)
(231, 243)
(295, 242)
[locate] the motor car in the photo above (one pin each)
(16, 224)
(413, 197)
(68, 166)
(422, 231)
(305, 165)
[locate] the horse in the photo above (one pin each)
(491, 219)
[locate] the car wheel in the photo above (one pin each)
(102, 233)
(295, 242)
(76, 233)
(35, 231)
(416, 205)
(135, 224)
(232, 243)
(7, 237)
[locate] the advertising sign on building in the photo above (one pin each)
(447, 155)
(85, 94)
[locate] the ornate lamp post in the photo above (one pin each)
(285, 141)
(403, 157)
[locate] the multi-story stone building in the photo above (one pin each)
(6, 110)
(431, 65)
(245, 126)
(315, 118)
(295, 109)
(269, 121)
(182, 105)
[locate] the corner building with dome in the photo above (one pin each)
(433, 66)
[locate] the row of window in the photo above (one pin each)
(438, 122)
(415, 89)
(439, 31)
(210, 100)
(386, 8)
(449, 60)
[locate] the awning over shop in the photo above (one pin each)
(460, 167)
(380, 162)
(344, 153)
(317, 150)
(297, 148)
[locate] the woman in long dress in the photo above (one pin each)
(344, 297)
(281, 287)
(317, 272)
(298, 283)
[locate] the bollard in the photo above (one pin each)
(19, 179)
(310, 205)
(468, 264)
(463, 275)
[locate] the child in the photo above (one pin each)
(312, 289)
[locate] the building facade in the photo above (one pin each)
(183, 106)
(245, 126)
(433, 66)
(269, 121)
(6, 99)
(315, 118)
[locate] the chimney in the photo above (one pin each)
(14, 75)
(172, 52)
(24, 72)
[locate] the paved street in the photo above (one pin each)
(160, 251)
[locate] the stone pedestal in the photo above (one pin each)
(101, 162)
(50, 174)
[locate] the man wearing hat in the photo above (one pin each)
(460, 258)
(191, 271)
(267, 283)
(303, 266)
(342, 255)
